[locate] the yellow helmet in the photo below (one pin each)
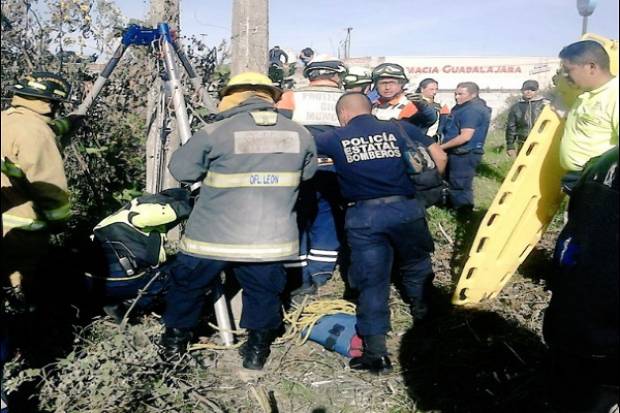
(251, 80)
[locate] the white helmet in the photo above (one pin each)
(357, 76)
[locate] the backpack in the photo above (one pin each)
(422, 170)
(132, 239)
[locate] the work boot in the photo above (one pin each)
(116, 311)
(174, 342)
(375, 359)
(419, 312)
(256, 350)
(298, 295)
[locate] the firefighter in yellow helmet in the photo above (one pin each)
(34, 186)
(250, 164)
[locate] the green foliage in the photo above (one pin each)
(105, 161)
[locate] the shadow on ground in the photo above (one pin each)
(45, 333)
(467, 227)
(538, 264)
(473, 361)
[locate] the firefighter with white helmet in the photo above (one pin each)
(314, 106)
(358, 79)
(389, 81)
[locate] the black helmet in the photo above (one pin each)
(326, 67)
(43, 85)
(389, 70)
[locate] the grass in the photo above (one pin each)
(468, 361)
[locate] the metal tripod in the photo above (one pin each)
(162, 39)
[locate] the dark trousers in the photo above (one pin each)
(191, 278)
(460, 177)
(582, 384)
(375, 233)
(320, 228)
(111, 291)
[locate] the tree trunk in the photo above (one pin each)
(250, 36)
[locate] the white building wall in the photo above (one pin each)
(498, 77)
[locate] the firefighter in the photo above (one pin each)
(383, 219)
(390, 81)
(35, 198)
(358, 79)
(128, 256)
(250, 164)
(314, 107)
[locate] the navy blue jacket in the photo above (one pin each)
(474, 114)
(368, 155)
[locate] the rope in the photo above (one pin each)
(300, 320)
(303, 319)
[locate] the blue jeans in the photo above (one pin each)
(191, 278)
(460, 177)
(375, 233)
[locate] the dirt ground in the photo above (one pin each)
(487, 359)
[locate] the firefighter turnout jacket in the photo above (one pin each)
(251, 164)
(34, 185)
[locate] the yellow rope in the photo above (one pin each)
(303, 320)
(300, 320)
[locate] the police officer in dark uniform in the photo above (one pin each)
(464, 135)
(383, 219)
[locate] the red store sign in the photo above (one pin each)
(489, 69)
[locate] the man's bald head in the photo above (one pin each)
(352, 104)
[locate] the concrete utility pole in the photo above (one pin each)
(250, 36)
(162, 137)
(347, 43)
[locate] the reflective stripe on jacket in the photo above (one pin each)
(39, 193)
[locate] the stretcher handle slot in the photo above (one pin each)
(470, 273)
(530, 149)
(515, 176)
(542, 126)
(481, 244)
(492, 219)
(504, 197)
(463, 294)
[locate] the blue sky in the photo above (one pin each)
(407, 27)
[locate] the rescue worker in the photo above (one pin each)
(35, 198)
(128, 255)
(464, 135)
(383, 219)
(358, 79)
(250, 165)
(581, 323)
(314, 107)
(427, 90)
(592, 122)
(306, 55)
(278, 56)
(390, 80)
(522, 116)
